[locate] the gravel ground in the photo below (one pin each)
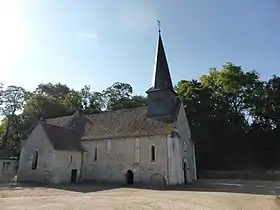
(97, 197)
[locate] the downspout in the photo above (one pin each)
(167, 161)
(194, 161)
(81, 166)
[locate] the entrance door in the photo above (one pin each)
(186, 169)
(74, 173)
(185, 172)
(129, 177)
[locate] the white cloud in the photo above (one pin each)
(139, 18)
(90, 36)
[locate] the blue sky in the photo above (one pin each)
(99, 42)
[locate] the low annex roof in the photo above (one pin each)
(62, 138)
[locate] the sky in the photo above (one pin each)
(97, 43)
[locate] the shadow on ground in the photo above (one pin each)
(232, 186)
(227, 186)
(84, 187)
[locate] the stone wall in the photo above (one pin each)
(185, 134)
(116, 156)
(37, 141)
(8, 169)
(64, 162)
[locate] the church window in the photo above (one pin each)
(109, 146)
(95, 154)
(35, 160)
(153, 153)
(137, 151)
(174, 134)
(185, 146)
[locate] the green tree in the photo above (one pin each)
(57, 90)
(117, 95)
(218, 107)
(13, 99)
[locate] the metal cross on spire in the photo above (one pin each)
(158, 26)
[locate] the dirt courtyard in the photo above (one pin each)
(206, 194)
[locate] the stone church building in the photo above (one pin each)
(148, 145)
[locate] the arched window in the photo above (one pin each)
(175, 134)
(185, 146)
(153, 153)
(95, 154)
(35, 160)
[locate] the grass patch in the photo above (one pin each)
(277, 200)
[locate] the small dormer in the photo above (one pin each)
(70, 121)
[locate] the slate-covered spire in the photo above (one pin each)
(161, 77)
(163, 102)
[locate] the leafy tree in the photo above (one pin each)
(117, 96)
(42, 106)
(13, 98)
(219, 111)
(57, 90)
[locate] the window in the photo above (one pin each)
(185, 146)
(95, 154)
(71, 158)
(109, 147)
(5, 166)
(175, 134)
(153, 153)
(137, 151)
(35, 160)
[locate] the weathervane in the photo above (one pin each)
(158, 22)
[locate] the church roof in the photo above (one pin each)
(116, 124)
(162, 78)
(62, 138)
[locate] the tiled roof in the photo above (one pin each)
(162, 78)
(123, 123)
(62, 138)
(117, 124)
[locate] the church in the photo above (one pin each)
(145, 145)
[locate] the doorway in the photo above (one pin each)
(186, 170)
(74, 173)
(129, 177)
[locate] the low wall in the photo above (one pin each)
(269, 175)
(8, 170)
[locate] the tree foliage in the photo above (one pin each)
(233, 117)
(22, 109)
(12, 100)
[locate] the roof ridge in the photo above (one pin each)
(116, 111)
(104, 112)
(57, 117)
(53, 125)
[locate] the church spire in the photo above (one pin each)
(163, 102)
(161, 77)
